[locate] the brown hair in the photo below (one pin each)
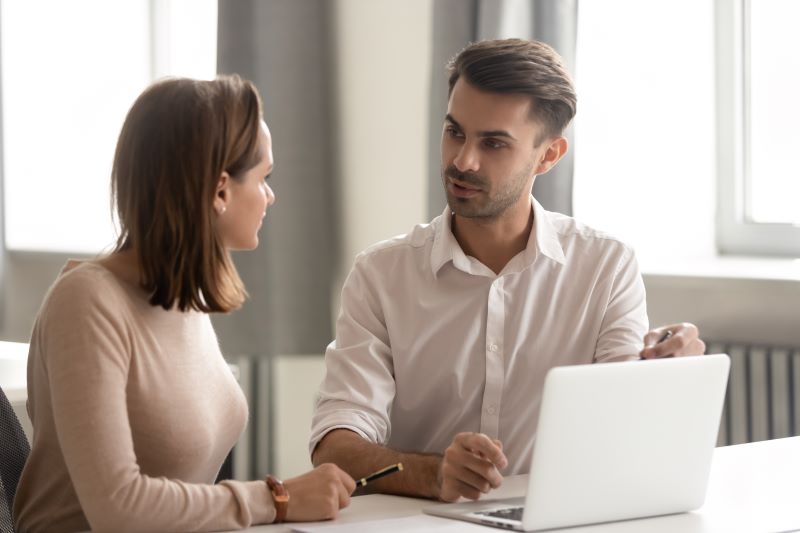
(178, 138)
(522, 67)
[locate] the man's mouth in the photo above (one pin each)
(462, 185)
(461, 189)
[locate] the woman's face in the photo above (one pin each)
(242, 203)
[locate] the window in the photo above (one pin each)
(644, 132)
(70, 71)
(758, 80)
(686, 134)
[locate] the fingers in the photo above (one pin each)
(484, 447)
(340, 484)
(652, 337)
(682, 340)
(344, 494)
(344, 486)
(347, 481)
(475, 472)
(467, 491)
(470, 466)
(482, 482)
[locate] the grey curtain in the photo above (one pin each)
(459, 22)
(284, 47)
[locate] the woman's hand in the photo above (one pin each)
(318, 494)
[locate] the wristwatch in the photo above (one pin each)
(280, 496)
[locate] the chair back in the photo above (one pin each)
(14, 450)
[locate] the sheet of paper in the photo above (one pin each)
(416, 523)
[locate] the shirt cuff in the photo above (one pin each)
(319, 433)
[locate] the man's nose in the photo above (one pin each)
(467, 159)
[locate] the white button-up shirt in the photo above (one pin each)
(430, 342)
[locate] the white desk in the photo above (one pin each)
(753, 488)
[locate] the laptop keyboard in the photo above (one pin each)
(508, 513)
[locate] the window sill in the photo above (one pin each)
(731, 299)
(726, 268)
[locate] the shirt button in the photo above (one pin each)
(492, 347)
(491, 410)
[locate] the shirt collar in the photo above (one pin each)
(543, 239)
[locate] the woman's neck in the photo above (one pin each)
(124, 265)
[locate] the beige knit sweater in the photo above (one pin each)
(134, 411)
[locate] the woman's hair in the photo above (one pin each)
(177, 140)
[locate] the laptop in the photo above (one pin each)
(615, 441)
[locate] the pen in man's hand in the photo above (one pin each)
(667, 334)
(379, 474)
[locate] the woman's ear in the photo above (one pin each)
(222, 194)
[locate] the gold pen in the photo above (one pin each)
(379, 474)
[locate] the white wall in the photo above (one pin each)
(384, 54)
(296, 380)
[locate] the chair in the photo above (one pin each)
(14, 450)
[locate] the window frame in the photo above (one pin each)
(735, 234)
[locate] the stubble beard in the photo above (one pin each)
(483, 206)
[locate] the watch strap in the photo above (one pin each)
(280, 496)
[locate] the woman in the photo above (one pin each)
(133, 406)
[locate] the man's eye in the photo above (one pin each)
(452, 132)
(491, 143)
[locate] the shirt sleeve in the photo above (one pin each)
(88, 356)
(625, 321)
(358, 388)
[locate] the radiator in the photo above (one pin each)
(763, 398)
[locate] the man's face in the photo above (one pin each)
(489, 152)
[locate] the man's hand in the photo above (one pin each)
(470, 466)
(318, 494)
(681, 339)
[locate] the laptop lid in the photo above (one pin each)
(625, 440)
(616, 441)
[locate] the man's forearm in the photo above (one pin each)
(360, 458)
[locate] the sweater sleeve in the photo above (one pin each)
(87, 347)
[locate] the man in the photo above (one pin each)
(445, 334)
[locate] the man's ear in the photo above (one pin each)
(555, 150)
(222, 194)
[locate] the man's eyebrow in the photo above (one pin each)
(490, 133)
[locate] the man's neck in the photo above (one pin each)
(494, 242)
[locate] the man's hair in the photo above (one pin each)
(178, 138)
(520, 66)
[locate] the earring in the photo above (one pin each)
(221, 210)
